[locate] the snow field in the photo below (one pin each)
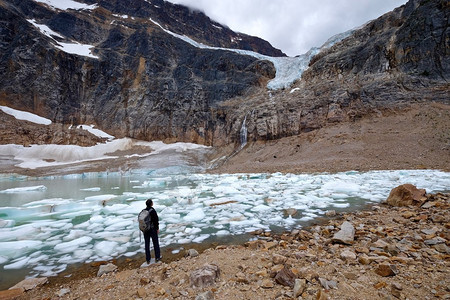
(45, 234)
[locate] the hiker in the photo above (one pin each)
(152, 232)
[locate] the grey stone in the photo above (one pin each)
(105, 269)
(62, 292)
(346, 235)
(299, 287)
(30, 283)
(435, 241)
(192, 253)
(328, 284)
(204, 276)
(348, 255)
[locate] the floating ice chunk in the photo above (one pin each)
(74, 234)
(105, 248)
(16, 248)
(340, 205)
(340, 186)
(192, 230)
(3, 259)
(7, 223)
(260, 208)
(72, 245)
(35, 260)
(105, 197)
(19, 264)
(22, 233)
(37, 188)
(201, 238)
(184, 241)
(195, 215)
(224, 190)
(222, 232)
(93, 189)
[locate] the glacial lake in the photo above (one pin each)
(49, 223)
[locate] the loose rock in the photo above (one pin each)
(105, 269)
(405, 195)
(205, 276)
(346, 235)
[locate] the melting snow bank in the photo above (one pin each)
(26, 116)
(288, 69)
(72, 48)
(38, 156)
(47, 223)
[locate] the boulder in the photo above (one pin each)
(30, 283)
(204, 276)
(346, 235)
(105, 269)
(405, 195)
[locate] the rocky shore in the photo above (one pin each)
(384, 252)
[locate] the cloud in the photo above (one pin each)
(294, 26)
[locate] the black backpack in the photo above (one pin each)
(145, 220)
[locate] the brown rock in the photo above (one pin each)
(267, 284)
(405, 195)
(285, 277)
(321, 295)
(290, 212)
(386, 270)
(142, 292)
(278, 259)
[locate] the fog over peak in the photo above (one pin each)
(294, 26)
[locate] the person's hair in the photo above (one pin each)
(149, 202)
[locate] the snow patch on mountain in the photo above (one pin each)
(26, 116)
(66, 4)
(72, 48)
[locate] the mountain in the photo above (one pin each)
(152, 70)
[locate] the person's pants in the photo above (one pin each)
(154, 235)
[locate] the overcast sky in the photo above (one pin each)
(294, 26)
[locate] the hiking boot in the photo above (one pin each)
(159, 258)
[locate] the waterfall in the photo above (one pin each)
(243, 133)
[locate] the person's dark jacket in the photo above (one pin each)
(153, 217)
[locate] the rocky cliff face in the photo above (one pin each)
(143, 82)
(393, 61)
